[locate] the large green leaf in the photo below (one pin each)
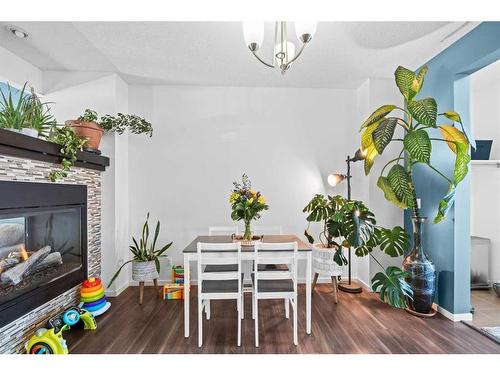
(370, 154)
(418, 145)
(404, 80)
(319, 209)
(453, 136)
(419, 80)
(392, 287)
(368, 247)
(366, 137)
(454, 116)
(309, 236)
(383, 184)
(424, 111)
(358, 224)
(445, 205)
(394, 242)
(461, 163)
(401, 184)
(383, 134)
(378, 114)
(339, 257)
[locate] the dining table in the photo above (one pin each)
(190, 254)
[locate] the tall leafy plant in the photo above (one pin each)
(145, 250)
(419, 119)
(350, 224)
(12, 111)
(38, 116)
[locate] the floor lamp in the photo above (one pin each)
(334, 180)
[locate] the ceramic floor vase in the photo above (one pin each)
(421, 271)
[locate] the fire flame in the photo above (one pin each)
(23, 253)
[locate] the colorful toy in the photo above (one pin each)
(49, 340)
(92, 297)
(176, 289)
(178, 274)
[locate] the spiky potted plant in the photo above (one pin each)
(418, 119)
(146, 255)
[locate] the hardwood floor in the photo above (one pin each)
(487, 306)
(359, 323)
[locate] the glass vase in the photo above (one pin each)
(421, 271)
(248, 231)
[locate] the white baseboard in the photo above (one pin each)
(117, 291)
(451, 316)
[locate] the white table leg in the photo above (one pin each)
(187, 281)
(308, 292)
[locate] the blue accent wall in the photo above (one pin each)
(448, 243)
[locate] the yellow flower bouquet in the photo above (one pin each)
(246, 204)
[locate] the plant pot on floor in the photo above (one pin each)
(323, 264)
(142, 272)
(421, 272)
(90, 130)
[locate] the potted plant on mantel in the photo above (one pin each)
(419, 121)
(246, 205)
(88, 127)
(350, 224)
(146, 258)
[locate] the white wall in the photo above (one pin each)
(485, 179)
(17, 71)
(107, 94)
(286, 140)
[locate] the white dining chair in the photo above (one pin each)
(276, 284)
(222, 230)
(218, 285)
(267, 229)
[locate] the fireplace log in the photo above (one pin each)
(7, 263)
(51, 260)
(15, 274)
(7, 250)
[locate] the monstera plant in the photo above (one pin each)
(350, 224)
(419, 120)
(422, 131)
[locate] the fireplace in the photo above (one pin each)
(43, 244)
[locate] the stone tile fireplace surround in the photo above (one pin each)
(12, 168)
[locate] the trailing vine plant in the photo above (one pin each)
(418, 118)
(70, 145)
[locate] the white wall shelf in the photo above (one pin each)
(486, 162)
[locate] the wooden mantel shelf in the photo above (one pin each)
(23, 146)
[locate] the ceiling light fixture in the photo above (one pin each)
(17, 31)
(284, 49)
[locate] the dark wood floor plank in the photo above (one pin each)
(359, 323)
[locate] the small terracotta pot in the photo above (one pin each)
(90, 130)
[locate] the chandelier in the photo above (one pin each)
(284, 49)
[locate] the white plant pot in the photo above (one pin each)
(144, 271)
(322, 261)
(30, 132)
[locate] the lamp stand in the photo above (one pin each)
(350, 286)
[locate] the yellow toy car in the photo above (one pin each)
(49, 340)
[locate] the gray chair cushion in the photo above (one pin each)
(272, 267)
(221, 286)
(221, 268)
(273, 286)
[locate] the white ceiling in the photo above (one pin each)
(341, 54)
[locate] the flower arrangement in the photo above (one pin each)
(246, 204)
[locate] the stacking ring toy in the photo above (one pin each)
(92, 297)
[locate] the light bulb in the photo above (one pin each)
(253, 33)
(287, 51)
(305, 30)
(335, 179)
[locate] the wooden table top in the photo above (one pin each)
(302, 246)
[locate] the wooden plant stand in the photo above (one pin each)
(141, 290)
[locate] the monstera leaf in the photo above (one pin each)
(383, 134)
(400, 184)
(394, 242)
(339, 257)
(358, 224)
(372, 243)
(392, 287)
(424, 111)
(318, 208)
(378, 114)
(418, 145)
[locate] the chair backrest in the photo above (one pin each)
(222, 230)
(276, 253)
(271, 229)
(218, 254)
